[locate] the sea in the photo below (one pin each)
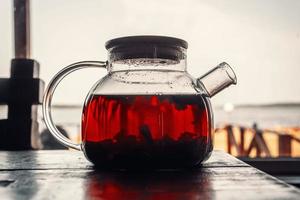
(265, 116)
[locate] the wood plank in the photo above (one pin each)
(275, 166)
(210, 183)
(62, 159)
(68, 175)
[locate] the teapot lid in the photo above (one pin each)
(147, 46)
(146, 40)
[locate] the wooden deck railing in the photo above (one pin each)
(257, 142)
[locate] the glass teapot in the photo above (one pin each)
(147, 112)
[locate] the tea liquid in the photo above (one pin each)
(146, 131)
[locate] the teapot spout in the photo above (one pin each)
(217, 79)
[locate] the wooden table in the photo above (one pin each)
(67, 175)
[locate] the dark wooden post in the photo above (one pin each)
(227, 128)
(284, 145)
(22, 92)
(242, 143)
(22, 28)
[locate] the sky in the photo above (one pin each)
(259, 38)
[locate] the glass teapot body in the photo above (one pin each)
(147, 118)
(147, 112)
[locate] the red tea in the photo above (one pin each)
(146, 131)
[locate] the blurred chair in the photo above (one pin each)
(49, 142)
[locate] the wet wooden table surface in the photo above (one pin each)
(67, 175)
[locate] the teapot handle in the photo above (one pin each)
(48, 98)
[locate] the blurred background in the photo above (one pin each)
(260, 117)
